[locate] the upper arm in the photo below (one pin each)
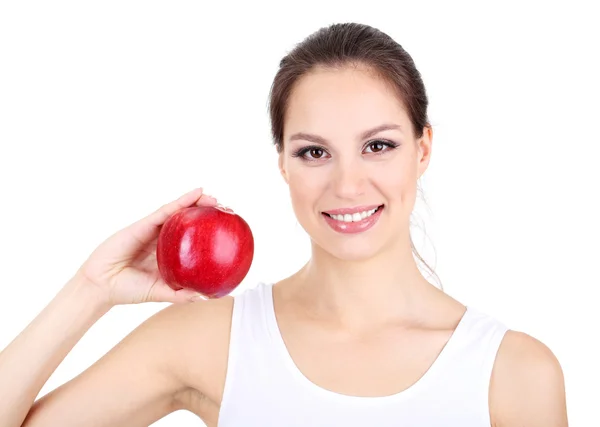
(527, 387)
(137, 382)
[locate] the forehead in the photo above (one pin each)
(343, 102)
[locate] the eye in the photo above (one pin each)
(315, 153)
(311, 153)
(380, 146)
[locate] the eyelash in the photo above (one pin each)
(301, 152)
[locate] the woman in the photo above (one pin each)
(356, 337)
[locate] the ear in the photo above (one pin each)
(282, 169)
(424, 150)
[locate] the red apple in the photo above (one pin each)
(206, 249)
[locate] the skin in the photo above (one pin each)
(360, 299)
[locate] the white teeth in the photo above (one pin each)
(355, 217)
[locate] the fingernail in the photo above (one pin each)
(197, 297)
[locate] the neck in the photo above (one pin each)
(367, 291)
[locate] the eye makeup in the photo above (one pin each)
(320, 150)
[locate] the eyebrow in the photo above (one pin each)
(366, 134)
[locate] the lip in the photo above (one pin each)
(353, 227)
(343, 211)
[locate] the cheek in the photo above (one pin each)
(306, 185)
(396, 181)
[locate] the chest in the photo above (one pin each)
(314, 379)
(380, 363)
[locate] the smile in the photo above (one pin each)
(350, 221)
(353, 217)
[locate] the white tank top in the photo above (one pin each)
(264, 388)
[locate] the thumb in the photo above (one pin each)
(188, 295)
(164, 293)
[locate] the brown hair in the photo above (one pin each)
(345, 45)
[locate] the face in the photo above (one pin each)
(341, 164)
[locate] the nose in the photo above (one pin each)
(349, 179)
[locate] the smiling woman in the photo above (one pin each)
(356, 337)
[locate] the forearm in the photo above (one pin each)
(31, 358)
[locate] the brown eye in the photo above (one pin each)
(316, 153)
(380, 146)
(377, 146)
(311, 153)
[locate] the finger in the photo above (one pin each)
(158, 218)
(146, 229)
(206, 200)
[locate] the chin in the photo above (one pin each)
(349, 251)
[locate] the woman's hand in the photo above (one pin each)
(123, 269)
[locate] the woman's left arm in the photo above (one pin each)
(527, 386)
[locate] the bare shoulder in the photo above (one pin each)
(201, 332)
(527, 386)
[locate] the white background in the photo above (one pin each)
(109, 109)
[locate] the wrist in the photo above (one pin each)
(87, 293)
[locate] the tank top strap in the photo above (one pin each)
(249, 321)
(483, 339)
(248, 342)
(470, 364)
